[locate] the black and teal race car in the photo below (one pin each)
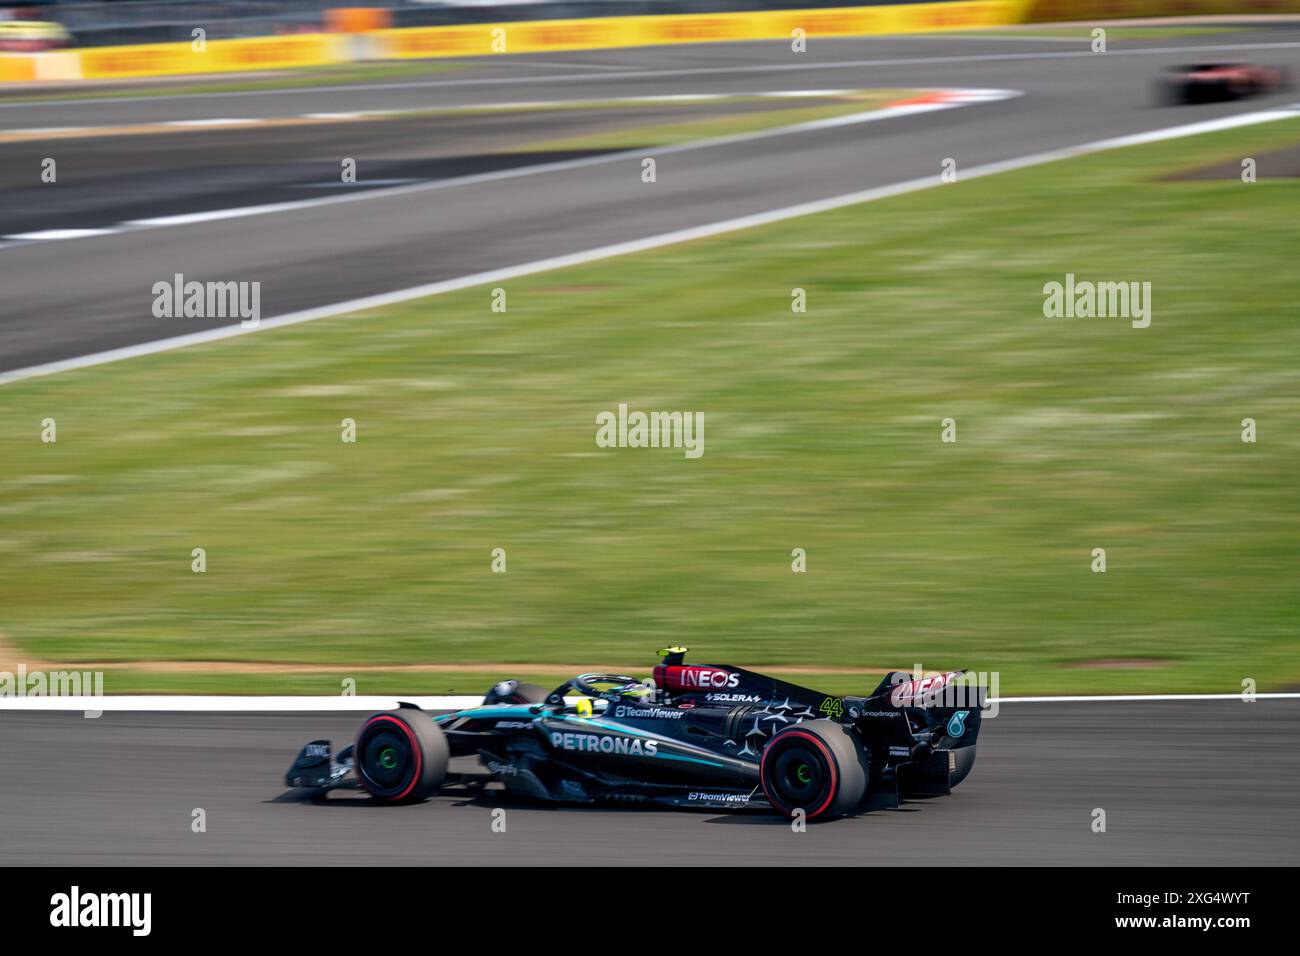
(709, 736)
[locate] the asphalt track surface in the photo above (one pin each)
(70, 298)
(1203, 782)
(1182, 782)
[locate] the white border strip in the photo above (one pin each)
(222, 703)
(314, 704)
(647, 243)
(1102, 698)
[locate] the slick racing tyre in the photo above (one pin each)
(401, 756)
(817, 767)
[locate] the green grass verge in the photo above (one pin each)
(687, 130)
(324, 684)
(391, 682)
(476, 431)
(1084, 33)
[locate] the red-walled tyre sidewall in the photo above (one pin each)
(843, 766)
(426, 752)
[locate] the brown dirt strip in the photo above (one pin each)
(1281, 163)
(11, 657)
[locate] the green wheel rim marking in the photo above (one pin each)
(388, 758)
(803, 773)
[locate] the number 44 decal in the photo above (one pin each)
(832, 707)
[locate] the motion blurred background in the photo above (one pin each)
(476, 427)
(109, 22)
(158, 21)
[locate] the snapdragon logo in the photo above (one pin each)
(27, 683)
(1101, 300)
(74, 909)
(654, 430)
(208, 300)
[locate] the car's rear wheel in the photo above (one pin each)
(401, 756)
(817, 767)
(1171, 93)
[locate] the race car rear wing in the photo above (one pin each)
(922, 714)
(937, 690)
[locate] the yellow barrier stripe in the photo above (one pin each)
(17, 68)
(218, 56)
(535, 36)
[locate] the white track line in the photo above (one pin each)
(56, 235)
(47, 129)
(207, 122)
(642, 245)
(569, 104)
(343, 185)
(285, 704)
(953, 99)
(690, 71)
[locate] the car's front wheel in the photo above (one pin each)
(816, 767)
(401, 756)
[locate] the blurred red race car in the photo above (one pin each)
(29, 36)
(1217, 82)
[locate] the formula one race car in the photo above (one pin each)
(1216, 82)
(27, 36)
(694, 736)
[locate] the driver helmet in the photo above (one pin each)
(640, 691)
